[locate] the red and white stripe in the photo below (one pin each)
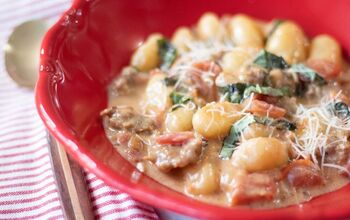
(28, 189)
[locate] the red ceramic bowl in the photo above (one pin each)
(94, 39)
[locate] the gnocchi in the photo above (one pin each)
(208, 26)
(288, 41)
(234, 60)
(204, 181)
(235, 111)
(325, 56)
(215, 119)
(157, 98)
(181, 38)
(261, 153)
(180, 119)
(146, 56)
(245, 32)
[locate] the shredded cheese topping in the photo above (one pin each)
(321, 129)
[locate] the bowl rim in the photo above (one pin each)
(59, 130)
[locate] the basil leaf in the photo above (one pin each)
(276, 24)
(307, 74)
(234, 92)
(270, 61)
(280, 124)
(266, 90)
(167, 53)
(230, 142)
(341, 110)
(179, 98)
(170, 81)
(240, 91)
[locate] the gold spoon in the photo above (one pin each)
(22, 53)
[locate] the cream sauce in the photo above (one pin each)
(178, 179)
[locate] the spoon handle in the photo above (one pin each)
(70, 179)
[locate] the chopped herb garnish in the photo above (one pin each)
(170, 81)
(167, 53)
(341, 110)
(231, 141)
(275, 25)
(234, 92)
(266, 90)
(179, 99)
(280, 124)
(284, 124)
(270, 61)
(237, 92)
(307, 74)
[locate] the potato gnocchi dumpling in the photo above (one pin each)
(288, 41)
(261, 153)
(157, 94)
(181, 38)
(245, 32)
(146, 57)
(234, 110)
(180, 119)
(215, 119)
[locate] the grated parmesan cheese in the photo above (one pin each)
(322, 129)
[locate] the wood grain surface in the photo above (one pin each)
(70, 179)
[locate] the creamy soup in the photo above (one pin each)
(235, 111)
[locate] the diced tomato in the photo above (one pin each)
(266, 98)
(206, 89)
(303, 173)
(253, 187)
(262, 108)
(177, 138)
(208, 66)
(325, 68)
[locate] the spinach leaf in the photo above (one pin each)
(237, 92)
(280, 124)
(270, 61)
(307, 74)
(230, 142)
(283, 124)
(276, 24)
(170, 81)
(167, 53)
(234, 92)
(266, 90)
(341, 110)
(178, 99)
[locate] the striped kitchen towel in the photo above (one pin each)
(28, 189)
